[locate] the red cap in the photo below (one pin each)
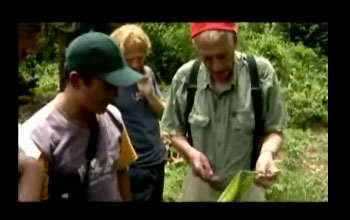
(198, 27)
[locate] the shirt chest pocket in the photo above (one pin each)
(198, 120)
(199, 125)
(242, 121)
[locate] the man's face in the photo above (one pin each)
(217, 55)
(96, 95)
(135, 56)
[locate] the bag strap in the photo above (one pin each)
(256, 94)
(91, 149)
(115, 121)
(191, 91)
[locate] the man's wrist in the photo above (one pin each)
(190, 154)
(268, 151)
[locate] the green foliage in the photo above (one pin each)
(314, 35)
(277, 29)
(296, 182)
(47, 44)
(294, 146)
(46, 73)
(85, 27)
(174, 176)
(48, 83)
(303, 74)
(171, 47)
(26, 69)
(44, 65)
(295, 187)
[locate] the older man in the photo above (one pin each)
(221, 122)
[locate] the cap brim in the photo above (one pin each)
(122, 77)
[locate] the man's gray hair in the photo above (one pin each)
(214, 35)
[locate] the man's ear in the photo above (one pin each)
(197, 54)
(74, 79)
(194, 45)
(235, 41)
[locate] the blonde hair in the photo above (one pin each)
(131, 34)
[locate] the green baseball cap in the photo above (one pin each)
(98, 54)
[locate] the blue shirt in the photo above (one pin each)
(142, 123)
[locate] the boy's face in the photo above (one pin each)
(135, 56)
(96, 95)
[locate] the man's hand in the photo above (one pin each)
(265, 165)
(197, 160)
(145, 86)
(201, 166)
(146, 89)
(266, 169)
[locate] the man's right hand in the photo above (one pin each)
(196, 159)
(201, 166)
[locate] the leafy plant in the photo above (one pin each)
(174, 176)
(295, 187)
(303, 74)
(171, 47)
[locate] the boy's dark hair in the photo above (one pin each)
(86, 77)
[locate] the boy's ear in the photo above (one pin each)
(74, 79)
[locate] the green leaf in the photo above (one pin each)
(231, 191)
(238, 186)
(245, 184)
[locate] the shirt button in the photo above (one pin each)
(219, 144)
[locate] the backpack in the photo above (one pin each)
(256, 94)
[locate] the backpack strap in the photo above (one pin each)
(191, 91)
(91, 149)
(256, 94)
(116, 122)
